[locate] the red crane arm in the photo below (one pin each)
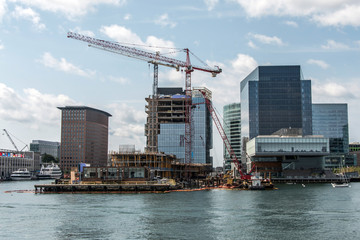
(141, 54)
(224, 137)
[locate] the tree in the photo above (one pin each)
(47, 158)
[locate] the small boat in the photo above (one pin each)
(49, 172)
(344, 181)
(20, 174)
(344, 184)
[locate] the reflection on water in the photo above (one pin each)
(292, 212)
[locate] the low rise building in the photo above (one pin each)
(274, 153)
(11, 161)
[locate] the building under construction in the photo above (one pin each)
(159, 165)
(165, 125)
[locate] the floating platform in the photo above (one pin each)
(104, 188)
(310, 180)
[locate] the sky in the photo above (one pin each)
(41, 69)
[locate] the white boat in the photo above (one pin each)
(20, 174)
(344, 181)
(335, 185)
(49, 172)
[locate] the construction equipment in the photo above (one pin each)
(16, 148)
(225, 139)
(156, 59)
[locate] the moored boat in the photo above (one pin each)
(20, 174)
(49, 172)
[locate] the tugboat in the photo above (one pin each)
(256, 182)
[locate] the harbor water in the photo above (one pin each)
(316, 211)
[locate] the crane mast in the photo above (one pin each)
(11, 140)
(225, 138)
(156, 59)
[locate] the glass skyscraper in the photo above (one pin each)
(232, 128)
(275, 97)
(331, 120)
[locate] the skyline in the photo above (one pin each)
(41, 69)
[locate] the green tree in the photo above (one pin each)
(47, 158)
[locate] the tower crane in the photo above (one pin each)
(156, 59)
(225, 139)
(16, 148)
(11, 140)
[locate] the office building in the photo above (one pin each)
(275, 97)
(232, 128)
(84, 137)
(165, 126)
(46, 147)
(331, 121)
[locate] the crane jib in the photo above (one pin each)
(138, 53)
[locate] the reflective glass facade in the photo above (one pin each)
(232, 128)
(331, 120)
(201, 142)
(275, 97)
(171, 139)
(48, 147)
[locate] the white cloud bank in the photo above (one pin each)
(124, 35)
(165, 21)
(63, 65)
(31, 106)
(265, 40)
(323, 12)
(211, 4)
(3, 8)
(319, 63)
(70, 8)
(29, 14)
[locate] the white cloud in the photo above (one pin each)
(252, 44)
(291, 23)
(319, 63)
(332, 45)
(211, 4)
(164, 21)
(127, 17)
(120, 80)
(124, 35)
(31, 106)
(3, 8)
(266, 39)
(62, 65)
(29, 14)
(324, 12)
(71, 8)
(348, 15)
(83, 32)
(1, 46)
(127, 124)
(334, 91)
